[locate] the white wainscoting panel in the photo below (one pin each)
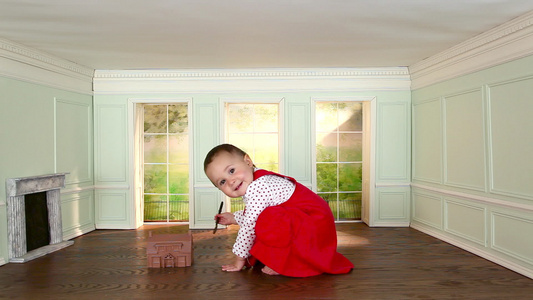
(111, 143)
(206, 204)
(73, 140)
(298, 141)
(512, 235)
(112, 209)
(511, 137)
(427, 209)
(464, 140)
(465, 220)
(393, 142)
(427, 141)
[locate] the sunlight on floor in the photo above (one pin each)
(346, 239)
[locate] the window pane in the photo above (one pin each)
(155, 118)
(255, 129)
(178, 179)
(269, 167)
(178, 148)
(179, 208)
(351, 116)
(155, 148)
(331, 199)
(350, 177)
(155, 208)
(326, 177)
(326, 117)
(155, 178)
(177, 118)
(326, 148)
(266, 117)
(243, 141)
(266, 148)
(166, 158)
(339, 154)
(350, 147)
(240, 118)
(350, 206)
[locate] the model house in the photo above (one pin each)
(169, 250)
(448, 139)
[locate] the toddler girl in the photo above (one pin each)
(284, 225)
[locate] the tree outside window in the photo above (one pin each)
(255, 129)
(166, 163)
(339, 159)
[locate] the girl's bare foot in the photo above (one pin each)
(269, 271)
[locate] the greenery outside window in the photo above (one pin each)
(254, 127)
(339, 157)
(166, 163)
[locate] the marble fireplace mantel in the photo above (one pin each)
(16, 189)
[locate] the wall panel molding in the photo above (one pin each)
(429, 114)
(509, 236)
(455, 214)
(110, 143)
(111, 210)
(463, 117)
(206, 202)
(297, 139)
(81, 218)
(206, 135)
(393, 142)
(393, 205)
(427, 209)
(510, 138)
(78, 163)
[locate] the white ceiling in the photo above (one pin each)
(197, 34)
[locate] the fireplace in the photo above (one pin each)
(23, 192)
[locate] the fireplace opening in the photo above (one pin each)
(37, 224)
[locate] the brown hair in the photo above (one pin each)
(220, 148)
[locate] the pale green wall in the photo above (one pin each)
(47, 130)
(113, 168)
(391, 205)
(472, 166)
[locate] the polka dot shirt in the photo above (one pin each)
(267, 190)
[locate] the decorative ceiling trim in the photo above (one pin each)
(234, 80)
(254, 73)
(23, 63)
(31, 56)
(507, 42)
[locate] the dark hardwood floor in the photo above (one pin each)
(390, 263)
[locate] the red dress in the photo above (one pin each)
(298, 237)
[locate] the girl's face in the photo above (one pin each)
(231, 173)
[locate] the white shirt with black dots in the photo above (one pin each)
(265, 191)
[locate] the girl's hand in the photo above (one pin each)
(226, 218)
(237, 266)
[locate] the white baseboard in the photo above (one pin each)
(390, 224)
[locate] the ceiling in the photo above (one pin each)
(234, 34)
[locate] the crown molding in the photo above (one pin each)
(507, 42)
(248, 80)
(23, 63)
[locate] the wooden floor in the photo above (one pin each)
(390, 263)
